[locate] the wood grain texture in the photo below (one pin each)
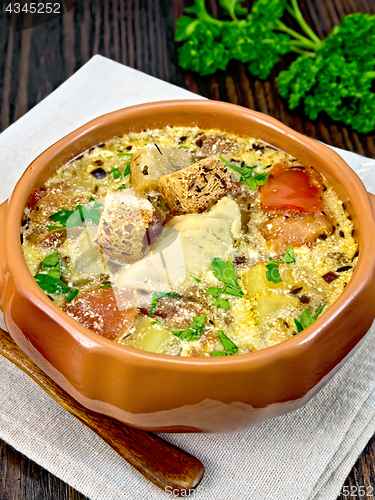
(139, 33)
(159, 461)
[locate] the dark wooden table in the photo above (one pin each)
(139, 33)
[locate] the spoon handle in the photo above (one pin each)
(161, 462)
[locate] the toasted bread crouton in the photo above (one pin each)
(196, 188)
(151, 162)
(122, 226)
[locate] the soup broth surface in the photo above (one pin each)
(189, 242)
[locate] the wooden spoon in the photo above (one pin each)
(161, 462)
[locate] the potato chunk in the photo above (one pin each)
(151, 162)
(152, 338)
(196, 188)
(122, 226)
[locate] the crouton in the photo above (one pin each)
(122, 226)
(152, 161)
(196, 188)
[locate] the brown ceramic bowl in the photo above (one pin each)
(174, 394)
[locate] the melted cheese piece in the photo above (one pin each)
(188, 246)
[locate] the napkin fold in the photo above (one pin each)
(305, 455)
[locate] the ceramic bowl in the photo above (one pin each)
(174, 394)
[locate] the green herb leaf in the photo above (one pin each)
(218, 353)
(120, 188)
(55, 286)
(251, 180)
(225, 272)
(54, 228)
(129, 155)
(52, 265)
(196, 279)
(160, 295)
(289, 257)
(193, 332)
(222, 303)
(308, 319)
(273, 273)
(229, 346)
(214, 291)
(106, 285)
(116, 172)
(127, 170)
(61, 216)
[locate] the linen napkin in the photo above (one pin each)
(305, 455)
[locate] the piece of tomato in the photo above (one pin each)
(98, 310)
(292, 190)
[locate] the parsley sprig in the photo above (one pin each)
(251, 180)
(225, 272)
(333, 76)
(69, 219)
(308, 319)
(273, 272)
(192, 332)
(230, 347)
(160, 295)
(50, 280)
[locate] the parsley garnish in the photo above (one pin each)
(125, 154)
(251, 180)
(106, 285)
(230, 347)
(225, 272)
(51, 264)
(196, 279)
(193, 332)
(127, 170)
(160, 295)
(120, 188)
(273, 272)
(116, 173)
(215, 292)
(75, 218)
(308, 319)
(55, 286)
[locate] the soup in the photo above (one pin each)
(189, 242)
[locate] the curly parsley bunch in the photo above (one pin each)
(338, 77)
(335, 75)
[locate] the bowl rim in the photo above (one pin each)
(26, 284)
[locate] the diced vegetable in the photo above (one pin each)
(97, 309)
(152, 337)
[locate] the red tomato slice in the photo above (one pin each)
(97, 309)
(292, 190)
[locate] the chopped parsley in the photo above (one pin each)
(51, 264)
(230, 347)
(129, 155)
(196, 279)
(50, 281)
(116, 173)
(160, 295)
(215, 292)
(55, 286)
(225, 272)
(308, 319)
(127, 170)
(74, 218)
(193, 332)
(251, 180)
(273, 272)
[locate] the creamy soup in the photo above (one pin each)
(189, 242)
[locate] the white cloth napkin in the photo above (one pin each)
(305, 455)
